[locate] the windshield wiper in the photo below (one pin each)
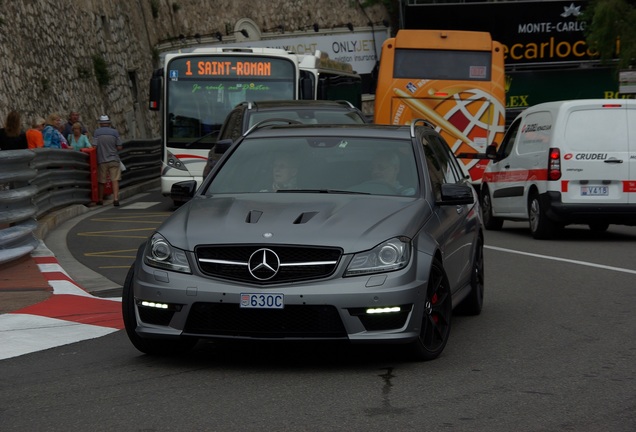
(327, 191)
(201, 138)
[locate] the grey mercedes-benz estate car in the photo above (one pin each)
(361, 233)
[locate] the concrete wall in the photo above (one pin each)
(47, 49)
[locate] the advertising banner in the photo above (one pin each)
(531, 32)
(361, 49)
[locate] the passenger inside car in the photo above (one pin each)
(284, 172)
(385, 173)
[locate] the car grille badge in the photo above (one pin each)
(264, 264)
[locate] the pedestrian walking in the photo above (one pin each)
(108, 143)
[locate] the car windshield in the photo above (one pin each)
(309, 116)
(319, 165)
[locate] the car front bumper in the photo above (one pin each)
(170, 304)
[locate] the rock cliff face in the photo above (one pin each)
(97, 56)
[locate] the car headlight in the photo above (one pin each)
(159, 253)
(390, 255)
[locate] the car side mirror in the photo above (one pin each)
(456, 194)
(156, 85)
(182, 192)
(491, 151)
(480, 156)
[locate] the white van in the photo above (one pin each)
(567, 162)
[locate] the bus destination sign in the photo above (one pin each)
(228, 67)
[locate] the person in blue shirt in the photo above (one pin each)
(108, 143)
(51, 132)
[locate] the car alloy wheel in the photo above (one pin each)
(436, 319)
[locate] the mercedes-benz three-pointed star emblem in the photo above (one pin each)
(263, 264)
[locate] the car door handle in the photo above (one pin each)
(616, 161)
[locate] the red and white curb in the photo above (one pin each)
(70, 315)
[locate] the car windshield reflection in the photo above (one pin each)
(318, 165)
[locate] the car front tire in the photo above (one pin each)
(473, 303)
(436, 320)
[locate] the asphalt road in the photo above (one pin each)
(553, 350)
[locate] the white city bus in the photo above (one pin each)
(195, 91)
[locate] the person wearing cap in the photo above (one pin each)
(34, 135)
(108, 143)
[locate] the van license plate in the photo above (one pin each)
(262, 301)
(594, 190)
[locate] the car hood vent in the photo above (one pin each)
(253, 216)
(305, 217)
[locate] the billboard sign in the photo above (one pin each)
(531, 32)
(358, 48)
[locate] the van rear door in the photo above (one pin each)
(595, 153)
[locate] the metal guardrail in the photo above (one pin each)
(34, 183)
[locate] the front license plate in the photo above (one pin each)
(594, 190)
(262, 301)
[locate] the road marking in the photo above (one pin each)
(140, 205)
(25, 333)
(70, 315)
(548, 257)
(111, 233)
(132, 253)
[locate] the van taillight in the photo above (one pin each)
(554, 164)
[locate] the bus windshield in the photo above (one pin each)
(443, 64)
(202, 90)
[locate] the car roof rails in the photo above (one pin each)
(345, 102)
(271, 122)
(421, 120)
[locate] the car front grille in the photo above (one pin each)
(284, 263)
(294, 321)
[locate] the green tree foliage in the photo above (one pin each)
(101, 70)
(611, 30)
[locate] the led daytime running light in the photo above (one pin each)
(384, 310)
(154, 305)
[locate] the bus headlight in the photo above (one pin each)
(173, 162)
